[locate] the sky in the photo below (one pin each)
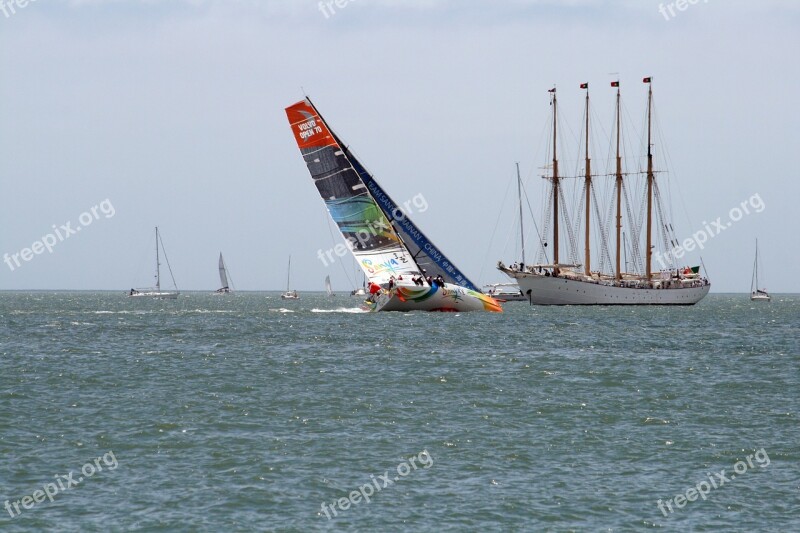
(170, 113)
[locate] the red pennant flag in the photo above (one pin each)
(647, 80)
(615, 84)
(584, 85)
(552, 90)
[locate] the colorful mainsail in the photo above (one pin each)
(383, 238)
(426, 254)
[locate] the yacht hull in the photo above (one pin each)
(155, 295)
(449, 298)
(549, 290)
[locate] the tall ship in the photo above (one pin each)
(571, 279)
(406, 271)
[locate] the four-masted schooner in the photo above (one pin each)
(573, 283)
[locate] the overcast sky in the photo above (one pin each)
(173, 111)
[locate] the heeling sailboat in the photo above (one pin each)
(223, 278)
(156, 292)
(560, 283)
(394, 254)
(757, 294)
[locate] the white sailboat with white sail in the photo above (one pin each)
(156, 292)
(290, 294)
(406, 271)
(756, 294)
(224, 275)
(557, 282)
(328, 288)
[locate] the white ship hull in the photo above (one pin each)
(450, 298)
(549, 290)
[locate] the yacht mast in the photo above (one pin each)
(521, 230)
(158, 265)
(555, 181)
(619, 189)
(650, 179)
(588, 187)
(754, 281)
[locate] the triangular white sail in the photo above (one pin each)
(224, 278)
(328, 288)
(223, 275)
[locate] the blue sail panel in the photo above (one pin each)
(427, 255)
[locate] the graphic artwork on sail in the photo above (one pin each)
(386, 244)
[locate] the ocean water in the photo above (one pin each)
(248, 413)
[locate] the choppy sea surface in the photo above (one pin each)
(248, 413)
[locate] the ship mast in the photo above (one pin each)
(521, 230)
(650, 179)
(619, 188)
(588, 186)
(554, 103)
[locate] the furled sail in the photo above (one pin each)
(223, 276)
(378, 249)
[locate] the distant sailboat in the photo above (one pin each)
(757, 294)
(156, 292)
(289, 294)
(504, 292)
(510, 292)
(223, 278)
(328, 288)
(360, 291)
